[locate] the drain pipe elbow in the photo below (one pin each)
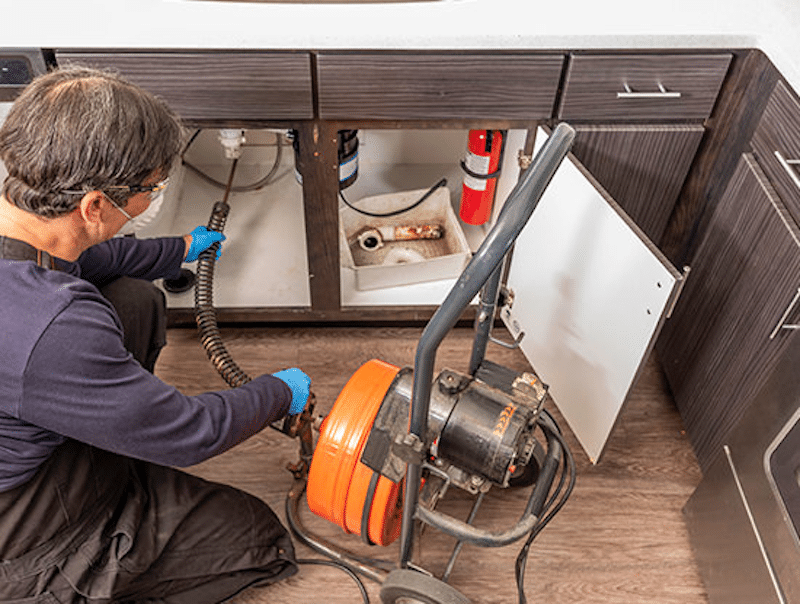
(231, 141)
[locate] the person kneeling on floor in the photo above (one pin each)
(92, 507)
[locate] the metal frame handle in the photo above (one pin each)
(513, 217)
(662, 93)
(780, 325)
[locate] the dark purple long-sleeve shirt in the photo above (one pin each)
(64, 372)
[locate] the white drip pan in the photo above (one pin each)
(402, 262)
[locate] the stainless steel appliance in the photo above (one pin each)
(744, 517)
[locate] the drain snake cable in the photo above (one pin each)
(211, 339)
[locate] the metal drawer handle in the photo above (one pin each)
(780, 324)
(662, 93)
(787, 164)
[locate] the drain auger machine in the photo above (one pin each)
(396, 438)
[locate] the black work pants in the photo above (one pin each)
(93, 526)
(96, 527)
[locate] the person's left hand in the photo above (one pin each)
(201, 240)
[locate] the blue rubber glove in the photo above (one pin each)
(300, 385)
(202, 239)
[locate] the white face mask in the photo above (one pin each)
(140, 221)
(135, 224)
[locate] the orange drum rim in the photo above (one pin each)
(336, 467)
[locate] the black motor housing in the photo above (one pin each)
(481, 425)
(487, 432)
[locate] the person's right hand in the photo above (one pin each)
(300, 385)
(199, 240)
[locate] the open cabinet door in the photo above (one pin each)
(590, 293)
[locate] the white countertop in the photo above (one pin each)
(771, 25)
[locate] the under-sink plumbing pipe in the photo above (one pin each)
(259, 184)
(231, 141)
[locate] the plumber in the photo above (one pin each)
(92, 505)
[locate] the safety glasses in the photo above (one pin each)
(132, 189)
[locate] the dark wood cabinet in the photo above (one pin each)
(639, 118)
(438, 86)
(658, 86)
(215, 87)
(642, 167)
(776, 143)
(726, 331)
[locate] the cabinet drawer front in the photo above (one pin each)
(216, 86)
(437, 86)
(776, 142)
(643, 86)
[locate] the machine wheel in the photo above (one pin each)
(404, 586)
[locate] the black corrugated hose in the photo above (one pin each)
(204, 312)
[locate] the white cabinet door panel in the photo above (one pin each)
(590, 293)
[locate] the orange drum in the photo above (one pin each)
(338, 483)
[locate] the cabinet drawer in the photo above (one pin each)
(425, 86)
(776, 142)
(18, 66)
(642, 86)
(216, 86)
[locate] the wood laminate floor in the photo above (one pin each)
(620, 539)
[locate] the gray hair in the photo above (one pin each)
(82, 129)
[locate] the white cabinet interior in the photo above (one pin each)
(264, 261)
(392, 161)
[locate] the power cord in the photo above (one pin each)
(430, 192)
(568, 474)
(353, 576)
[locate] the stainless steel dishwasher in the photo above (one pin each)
(744, 517)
